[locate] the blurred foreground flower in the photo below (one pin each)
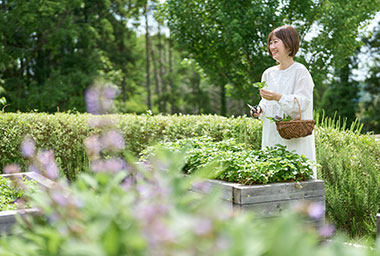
(99, 97)
(28, 147)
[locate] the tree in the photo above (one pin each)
(228, 38)
(51, 51)
(342, 96)
(370, 107)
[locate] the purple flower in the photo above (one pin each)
(113, 140)
(99, 98)
(110, 92)
(115, 164)
(28, 147)
(45, 157)
(12, 168)
(128, 183)
(93, 144)
(48, 164)
(202, 226)
(59, 198)
(92, 100)
(316, 210)
(52, 171)
(109, 165)
(326, 231)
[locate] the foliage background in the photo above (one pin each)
(183, 56)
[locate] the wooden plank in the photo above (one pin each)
(275, 208)
(42, 180)
(225, 188)
(277, 192)
(8, 219)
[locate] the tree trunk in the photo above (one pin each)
(124, 88)
(170, 77)
(223, 104)
(162, 72)
(156, 78)
(147, 48)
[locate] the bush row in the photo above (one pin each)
(64, 133)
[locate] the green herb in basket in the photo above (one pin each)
(279, 118)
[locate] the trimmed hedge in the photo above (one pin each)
(64, 133)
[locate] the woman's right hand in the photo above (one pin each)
(256, 112)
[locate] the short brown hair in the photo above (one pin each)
(288, 36)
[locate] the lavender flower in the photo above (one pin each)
(93, 145)
(99, 98)
(112, 140)
(316, 210)
(59, 198)
(47, 162)
(109, 165)
(45, 157)
(28, 147)
(92, 100)
(12, 168)
(52, 171)
(202, 226)
(326, 231)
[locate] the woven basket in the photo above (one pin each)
(296, 128)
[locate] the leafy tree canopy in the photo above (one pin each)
(50, 51)
(228, 38)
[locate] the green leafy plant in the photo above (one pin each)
(260, 85)
(10, 194)
(237, 162)
(284, 118)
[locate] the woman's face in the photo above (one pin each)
(278, 49)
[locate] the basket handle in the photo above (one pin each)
(299, 107)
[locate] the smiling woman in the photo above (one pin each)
(289, 92)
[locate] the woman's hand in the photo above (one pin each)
(256, 112)
(270, 95)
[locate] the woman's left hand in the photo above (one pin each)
(270, 95)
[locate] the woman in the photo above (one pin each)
(287, 81)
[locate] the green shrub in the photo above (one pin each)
(64, 133)
(237, 162)
(9, 193)
(351, 171)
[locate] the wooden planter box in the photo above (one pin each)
(8, 218)
(267, 200)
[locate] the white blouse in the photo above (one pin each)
(293, 82)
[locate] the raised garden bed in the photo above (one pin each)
(267, 200)
(8, 218)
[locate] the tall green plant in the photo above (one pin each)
(350, 169)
